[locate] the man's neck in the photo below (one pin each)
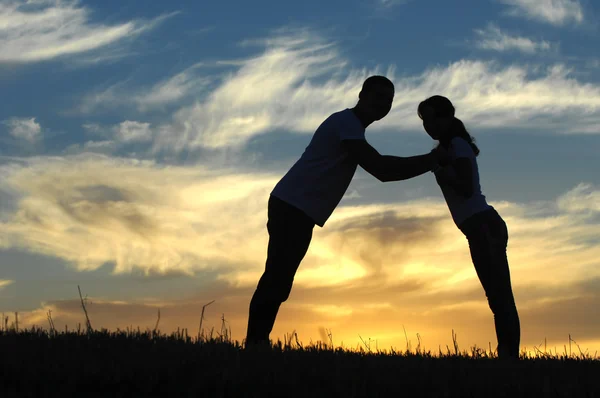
(360, 114)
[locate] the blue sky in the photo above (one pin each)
(139, 142)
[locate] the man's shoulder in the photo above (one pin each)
(340, 115)
(336, 120)
(347, 119)
(343, 124)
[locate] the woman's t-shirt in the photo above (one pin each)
(460, 207)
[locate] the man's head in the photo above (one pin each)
(376, 97)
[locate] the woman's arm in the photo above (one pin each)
(458, 175)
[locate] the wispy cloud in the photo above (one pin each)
(103, 201)
(111, 139)
(173, 89)
(382, 9)
(185, 85)
(390, 3)
(26, 129)
(265, 93)
(32, 31)
(132, 131)
(4, 283)
(583, 198)
(272, 90)
(493, 38)
(488, 95)
(106, 147)
(298, 99)
(555, 12)
(92, 209)
(402, 262)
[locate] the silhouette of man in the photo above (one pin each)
(307, 195)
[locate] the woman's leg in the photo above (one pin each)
(488, 243)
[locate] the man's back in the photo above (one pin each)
(318, 180)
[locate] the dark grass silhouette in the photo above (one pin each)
(43, 363)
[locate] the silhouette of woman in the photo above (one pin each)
(485, 230)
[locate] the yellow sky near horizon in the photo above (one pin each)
(373, 270)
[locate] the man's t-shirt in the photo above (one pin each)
(318, 180)
(460, 207)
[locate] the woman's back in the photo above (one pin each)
(462, 207)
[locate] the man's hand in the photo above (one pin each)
(388, 168)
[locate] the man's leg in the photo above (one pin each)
(488, 251)
(290, 233)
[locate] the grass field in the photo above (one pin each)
(133, 363)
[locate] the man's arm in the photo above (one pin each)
(462, 178)
(389, 168)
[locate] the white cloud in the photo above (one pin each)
(272, 90)
(98, 144)
(25, 129)
(487, 95)
(132, 131)
(106, 147)
(4, 283)
(492, 38)
(110, 139)
(91, 209)
(593, 64)
(266, 94)
(390, 3)
(106, 56)
(381, 9)
(555, 12)
(32, 31)
(299, 80)
(108, 97)
(172, 90)
(135, 213)
(93, 128)
(583, 198)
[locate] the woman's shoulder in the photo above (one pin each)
(458, 141)
(460, 146)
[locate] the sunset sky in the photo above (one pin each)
(139, 142)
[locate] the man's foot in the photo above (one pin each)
(507, 357)
(258, 346)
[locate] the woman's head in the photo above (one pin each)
(437, 113)
(440, 122)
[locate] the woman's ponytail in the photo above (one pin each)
(459, 130)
